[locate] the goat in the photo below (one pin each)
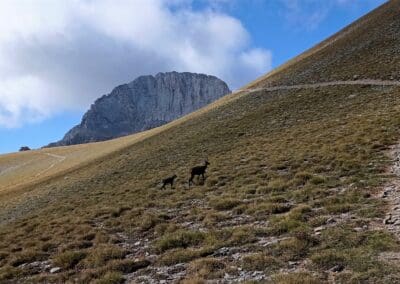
(169, 180)
(198, 171)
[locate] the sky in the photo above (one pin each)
(57, 57)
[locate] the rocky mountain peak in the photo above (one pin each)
(146, 102)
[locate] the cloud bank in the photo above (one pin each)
(57, 56)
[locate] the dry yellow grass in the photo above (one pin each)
(276, 157)
(19, 170)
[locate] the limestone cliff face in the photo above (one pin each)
(146, 102)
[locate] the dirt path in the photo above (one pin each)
(12, 168)
(362, 82)
(391, 194)
(57, 157)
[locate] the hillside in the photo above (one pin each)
(299, 189)
(363, 50)
(145, 103)
(18, 170)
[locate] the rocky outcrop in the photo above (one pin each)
(145, 103)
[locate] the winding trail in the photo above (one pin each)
(391, 194)
(362, 82)
(57, 157)
(12, 168)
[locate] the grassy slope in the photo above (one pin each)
(369, 48)
(290, 158)
(22, 173)
(282, 164)
(18, 170)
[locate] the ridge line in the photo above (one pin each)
(323, 84)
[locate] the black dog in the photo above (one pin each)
(169, 180)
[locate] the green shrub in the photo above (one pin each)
(277, 185)
(207, 268)
(68, 259)
(329, 258)
(111, 277)
(102, 254)
(181, 255)
(295, 278)
(26, 256)
(224, 203)
(260, 262)
(180, 239)
(127, 265)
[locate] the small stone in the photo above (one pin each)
(388, 220)
(337, 268)
(318, 229)
(331, 220)
(163, 281)
(55, 270)
(137, 243)
(236, 256)
(358, 229)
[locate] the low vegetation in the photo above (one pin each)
(289, 196)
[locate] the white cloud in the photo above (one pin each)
(61, 55)
(257, 59)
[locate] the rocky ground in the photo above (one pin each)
(391, 194)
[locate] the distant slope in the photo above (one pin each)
(145, 103)
(20, 169)
(293, 193)
(367, 49)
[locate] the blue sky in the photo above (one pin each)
(64, 54)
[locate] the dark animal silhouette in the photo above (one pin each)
(198, 171)
(169, 180)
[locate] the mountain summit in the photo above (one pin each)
(145, 103)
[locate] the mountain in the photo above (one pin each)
(303, 184)
(145, 103)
